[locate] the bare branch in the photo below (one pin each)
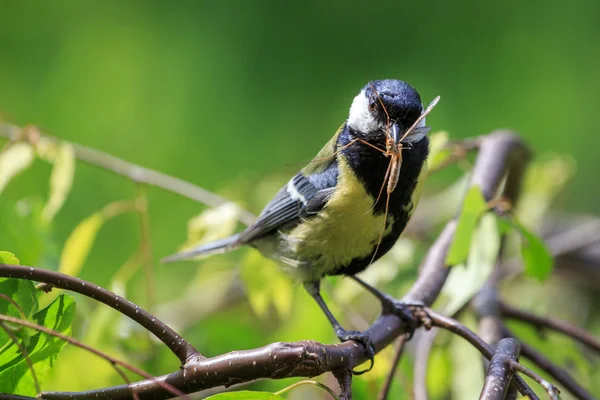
(424, 344)
(99, 353)
(560, 375)
(308, 382)
(499, 375)
(344, 378)
(557, 325)
(131, 171)
(500, 152)
(552, 390)
(385, 390)
(14, 303)
(178, 345)
(127, 381)
(488, 351)
(146, 246)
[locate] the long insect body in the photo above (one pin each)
(395, 164)
(393, 171)
(397, 154)
(392, 150)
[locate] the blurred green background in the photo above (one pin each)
(227, 92)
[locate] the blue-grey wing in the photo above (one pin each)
(300, 197)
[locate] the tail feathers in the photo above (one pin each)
(216, 247)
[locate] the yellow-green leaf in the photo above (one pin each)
(13, 160)
(266, 284)
(46, 149)
(212, 224)
(79, 244)
(474, 206)
(8, 258)
(537, 260)
(544, 180)
(43, 349)
(61, 180)
(438, 152)
(466, 280)
(245, 395)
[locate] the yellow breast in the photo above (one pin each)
(344, 230)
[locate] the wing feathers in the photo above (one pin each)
(285, 207)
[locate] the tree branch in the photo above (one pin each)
(424, 344)
(560, 375)
(131, 171)
(557, 325)
(499, 375)
(500, 152)
(385, 390)
(81, 345)
(488, 351)
(178, 345)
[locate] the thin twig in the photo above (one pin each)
(146, 246)
(424, 345)
(25, 354)
(456, 327)
(307, 382)
(92, 350)
(559, 374)
(127, 381)
(131, 171)
(554, 324)
(459, 151)
(178, 345)
(398, 351)
(500, 152)
(552, 390)
(14, 303)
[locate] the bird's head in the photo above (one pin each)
(385, 105)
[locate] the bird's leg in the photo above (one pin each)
(313, 288)
(389, 305)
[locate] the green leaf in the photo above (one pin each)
(466, 365)
(80, 242)
(465, 281)
(245, 395)
(61, 180)
(545, 179)
(212, 224)
(23, 293)
(473, 207)
(15, 375)
(537, 260)
(439, 372)
(255, 271)
(8, 258)
(438, 152)
(23, 232)
(13, 160)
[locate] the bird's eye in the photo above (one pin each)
(372, 105)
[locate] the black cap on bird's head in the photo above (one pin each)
(383, 105)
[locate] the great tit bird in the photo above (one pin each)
(329, 218)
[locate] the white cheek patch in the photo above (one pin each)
(360, 117)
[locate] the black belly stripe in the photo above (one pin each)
(370, 166)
